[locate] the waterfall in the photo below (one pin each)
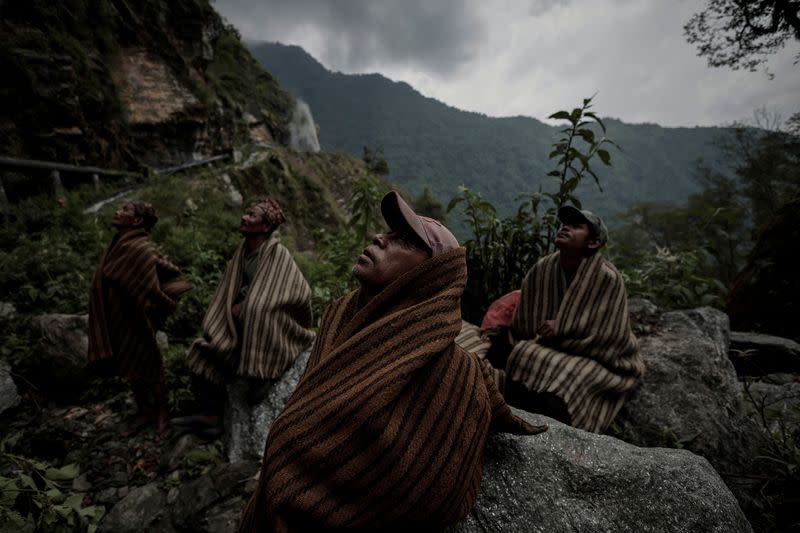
(302, 130)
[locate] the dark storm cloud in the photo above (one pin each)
(438, 36)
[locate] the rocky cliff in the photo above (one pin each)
(121, 84)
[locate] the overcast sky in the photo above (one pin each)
(529, 57)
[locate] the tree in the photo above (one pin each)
(765, 159)
(426, 204)
(742, 33)
(375, 161)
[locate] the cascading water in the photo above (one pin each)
(302, 130)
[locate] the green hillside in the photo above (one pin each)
(428, 143)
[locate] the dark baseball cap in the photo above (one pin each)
(433, 234)
(569, 213)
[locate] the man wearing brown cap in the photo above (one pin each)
(257, 323)
(133, 292)
(386, 429)
(576, 359)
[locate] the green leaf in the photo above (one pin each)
(604, 156)
(454, 202)
(556, 173)
(560, 115)
(586, 134)
(28, 481)
(74, 501)
(596, 119)
(65, 473)
(54, 494)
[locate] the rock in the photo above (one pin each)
(7, 310)
(162, 341)
(81, 484)
(140, 510)
(197, 495)
(246, 426)
(9, 397)
(642, 310)
(64, 346)
(567, 480)
(172, 460)
(756, 354)
(690, 396)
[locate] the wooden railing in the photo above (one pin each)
(55, 169)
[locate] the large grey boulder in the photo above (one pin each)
(690, 395)
(64, 345)
(756, 354)
(9, 397)
(691, 398)
(246, 426)
(63, 349)
(567, 480)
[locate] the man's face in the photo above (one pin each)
(253, 222)
(575, 236)
(125, 217)
(388, 257)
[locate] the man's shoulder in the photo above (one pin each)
(609, 271)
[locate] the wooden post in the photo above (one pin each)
(96, 182)
(58, 187)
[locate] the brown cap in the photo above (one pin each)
(399, 216)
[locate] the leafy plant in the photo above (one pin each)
(674, 280)
(500, 251)
(35, 497)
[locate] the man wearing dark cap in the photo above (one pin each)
(257, 322)
(386, 429)
(133, 292)
(576, 359)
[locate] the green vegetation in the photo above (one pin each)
(692, 254)
(36, 497)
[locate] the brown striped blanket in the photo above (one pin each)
(593, 361)
(274, 322)
(387, 427)
(133, 291)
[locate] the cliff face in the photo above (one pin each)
(121, 84)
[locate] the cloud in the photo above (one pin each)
(352, 35)
(516, 57)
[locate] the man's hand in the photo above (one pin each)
(547, 329)
(236, 310)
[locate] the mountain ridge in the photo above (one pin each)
(429, 143)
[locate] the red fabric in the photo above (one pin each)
(501, 311)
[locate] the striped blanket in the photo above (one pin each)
(387, 427)
(275, 319)
(593, 361)
(133, 291)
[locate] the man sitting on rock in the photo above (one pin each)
(386, 429)
(576, 359)
(257, 323)
(132, 293)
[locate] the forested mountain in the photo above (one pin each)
(428, 143)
